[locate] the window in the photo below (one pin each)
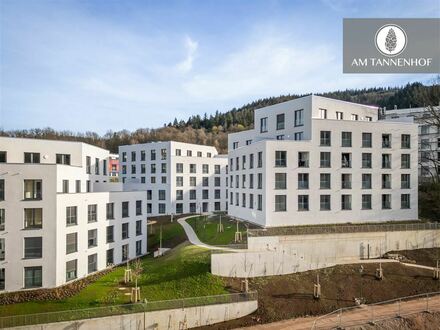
(153, 168)
(280, 158)
(243, 162)
(405, 201)
(339, 115)
(163, 168)
(386, 161)
(33, 277)
(161, 195)
(92, 211)
(263, 125)
(138, 227)
(110, 207)
(138, 248)
(205, 169)
(303, 181)
(192, 181)
(217, 181)
(346, 139)
(260, 203)
(162, 208)
(125, 252)
(298, 136)
(110, 234)
(33, 218)
(325, 160)
(323, 113)
(2, 219)
(192, 168)
(299, 117)
(97, 166)
(179, 195)
(32, 157)
(88, 165)
(33, 189)
(405, 161)
(424, 144)
(405, 181)
(280, 203)
(386, 140)
(325, 138)
(237, 183)
(92, 263)
(324, 181)
(193, 194)
(71, 270)
(237, 163)
(303, 159)
(424, 129)
(354, 117)
(78, 186)
(346, 202)
(406, 141)
(71, 243)
(125, 230)
(345, 160)
(189, 153)
(216, 169)
(260, 159)
(251, 161)
(163, 154)
(125, 212)
(366, 160)
(164, 179)
(178, 152)
(260, 181)
(153, 154)
(124, 169)
(109, 257)
(386, 181)
(92, 238)
(366, 181)
(303, 202)
(251, 181)
(199, 154)
(386, 201)
(280, 121)
(192, 207)
(63, 159)
(205, 194)
(366, 202)
(324, 202)
(133, 169)
(3, 157)
(71, 215)
(149, 208)
(2, 249)
(248, 142)
(124, 156)
(345, 181)
(280, 180)
(243, 200)
(139, 207)
(143, 169)
(280, 137)
(33, 247)
(366, 140)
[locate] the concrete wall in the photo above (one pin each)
(167, 319)
(276, 255)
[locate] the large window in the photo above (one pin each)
(303, 159)
(280, 181)
(366, 160)
(110, 211)
(366, 202)
(405, 161)
(280, 121)
(92, 213)
(386, 181)
(324, 202)
(71, 243)
(366, 140)
(280, 158)
(125, 210)
(161, 195)
(346, 181)
(405, 201)
(92, 238)
(366, 181)
(71, 270)
(325, 138)
(263, 125)
(92, 263)
(346, 139)
(346, 202)
(386, 140)
(303, 202)
(406, 141)
(179, 168)
(325, 159)
(125, 230)
(405, 181)
(299, 117)
(280, 203)
(386, 201)
(33, 277)
(33, 218)
(303, 181)
(33, 189)
(192, 181)
(33, 247)
(325, 181)
(32, 157)
(71, 215)
(63, 159)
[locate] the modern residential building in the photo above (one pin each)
(429, 137)
(56, 225)
(316, 160)
(113, 163)
(179, 177)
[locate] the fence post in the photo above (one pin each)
(372, 314)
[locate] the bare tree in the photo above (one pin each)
(430, 160)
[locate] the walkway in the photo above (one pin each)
(356, 316)
(192, 236)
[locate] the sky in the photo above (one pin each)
(111, 65)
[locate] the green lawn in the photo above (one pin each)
(172, 233)
(206, 229)
(184, 272)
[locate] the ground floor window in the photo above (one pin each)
(2, 278)
(33, 277)
(217, 206)
(71, 270)
(192, 207)
(405, 201)
(92, 263)
(125, 252)
(162, 208)
(109, 257)
(280, 203)
(179, 208)
(138, 248)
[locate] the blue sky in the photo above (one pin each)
(111, 65)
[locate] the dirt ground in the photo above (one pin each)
(289, 296)
(426, 257)
(429, 321)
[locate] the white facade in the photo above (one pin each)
(179, 177)
(429, 138)
(316, 160)
(55, 226)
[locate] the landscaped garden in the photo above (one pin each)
(184, 272)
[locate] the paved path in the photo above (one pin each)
(192, 236)
(356, 316)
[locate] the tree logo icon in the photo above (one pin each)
(390, 40)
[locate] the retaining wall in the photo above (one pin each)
(276, 255)
(173, 319)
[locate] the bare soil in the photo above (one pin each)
(416, 321)
(290, 296)
(425, 257)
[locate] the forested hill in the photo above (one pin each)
(213, 129)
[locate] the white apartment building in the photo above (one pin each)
(429, 138)
(316, 160)
(55, 227)
(179, 177)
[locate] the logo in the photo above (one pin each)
(390, 40)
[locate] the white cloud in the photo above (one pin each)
(191, 50)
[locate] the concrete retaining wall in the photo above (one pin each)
(173, 319)
(276, 255)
